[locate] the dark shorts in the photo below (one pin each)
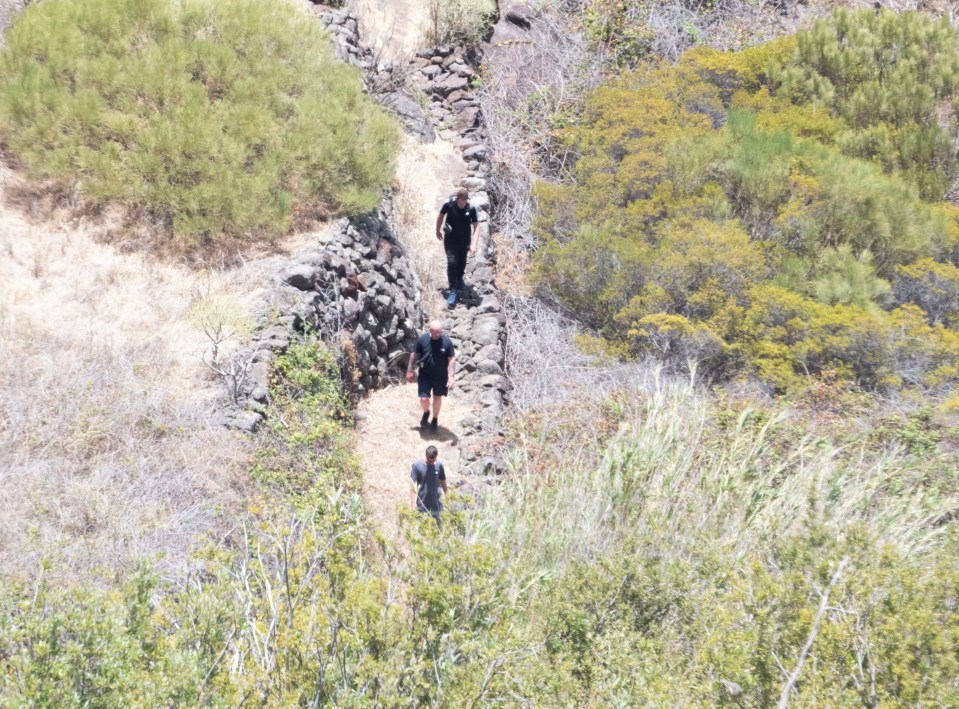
(425, 385)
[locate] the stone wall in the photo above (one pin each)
(356, 280)
(442, 79)
(385, 81)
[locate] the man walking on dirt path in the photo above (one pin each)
(428, 477)
(436, 356)
(458, 235)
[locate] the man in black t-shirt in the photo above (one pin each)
(458, 235)
(428, 478)
(436, 356)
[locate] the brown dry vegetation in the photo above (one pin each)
(109, 450)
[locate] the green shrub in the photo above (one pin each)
(212, 117)
(889, 76)
(693, 183)
(932, 286)
(304, 446)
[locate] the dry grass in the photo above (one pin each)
(8, 9)
(102, 461)
(108, 447)
(526, 86)
(549, 370)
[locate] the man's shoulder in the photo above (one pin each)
(448, 343)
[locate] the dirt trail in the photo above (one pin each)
(390, 439)
(388, 434)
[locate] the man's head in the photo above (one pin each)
(436, 329)
(462, 197)
(431, 454)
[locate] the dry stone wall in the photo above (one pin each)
(384, 80)
(442, 79)
(356, 280)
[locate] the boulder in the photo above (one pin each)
(477, 152)
(301, 276)
(450, 84)
(519, 14)
(411, 114)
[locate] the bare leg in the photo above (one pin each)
(437, 404)
(425, 403)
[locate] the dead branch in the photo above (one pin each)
(823, 604)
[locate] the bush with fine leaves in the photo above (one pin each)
(211, 117)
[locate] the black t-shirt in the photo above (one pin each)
(434, 356)
(460, 220)
(426, 477)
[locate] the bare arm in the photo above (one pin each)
(410, 367)
(451, 378)
(446, 490)
(474, 242)
(413, 497)
(439, 225)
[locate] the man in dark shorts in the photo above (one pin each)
(458, 235)
(428, 477)
(436, 356)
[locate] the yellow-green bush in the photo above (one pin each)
(888, 75)
(695, 182)
(212, 117)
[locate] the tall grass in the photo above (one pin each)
(227, 117)
(659, 548)
(675, 468)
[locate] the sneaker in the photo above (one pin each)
(451, 300)
(433, 424)
(424, 419)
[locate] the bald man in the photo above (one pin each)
(436, 357)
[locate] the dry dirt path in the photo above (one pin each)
(388, 438)
(397, 27)
(388, 435)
